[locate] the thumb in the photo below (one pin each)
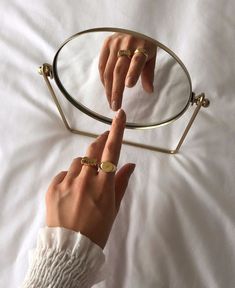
(121, 181)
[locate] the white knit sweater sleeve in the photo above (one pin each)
(63, 258)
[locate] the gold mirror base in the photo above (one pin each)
(46, 71)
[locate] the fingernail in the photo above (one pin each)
(103, 134)
(149, 89)
(132, 168)
(129, 82)
(114, 106)
(106, 133)
(120, 114)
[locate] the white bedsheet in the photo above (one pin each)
(176, 224)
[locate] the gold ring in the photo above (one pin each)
(107, 167)
(124, 53)
(142, 51)
(89, 161)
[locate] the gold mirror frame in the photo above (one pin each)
(49, 72)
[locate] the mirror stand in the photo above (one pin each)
(46, 71)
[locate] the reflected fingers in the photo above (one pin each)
(137, 64)
(147, 75)
(108, 76)
(104, 55)
(119, 76)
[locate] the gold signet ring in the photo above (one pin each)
(107, 167)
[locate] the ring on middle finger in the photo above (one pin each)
(89, 161)
(127, 53)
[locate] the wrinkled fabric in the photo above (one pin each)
(175, 227)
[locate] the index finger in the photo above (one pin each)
(113, 144)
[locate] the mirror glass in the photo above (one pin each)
(76, 71)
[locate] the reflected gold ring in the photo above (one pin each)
(107, 167)
(142, 51)
(124, 53)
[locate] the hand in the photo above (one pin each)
(81, 199)
(116, 72)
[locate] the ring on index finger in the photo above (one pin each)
(107, 167)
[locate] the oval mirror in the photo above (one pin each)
(76, 72)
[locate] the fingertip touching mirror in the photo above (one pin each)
(129, 70)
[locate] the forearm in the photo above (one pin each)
(63, 258)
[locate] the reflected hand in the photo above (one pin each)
(118, 72)
(82, 199)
